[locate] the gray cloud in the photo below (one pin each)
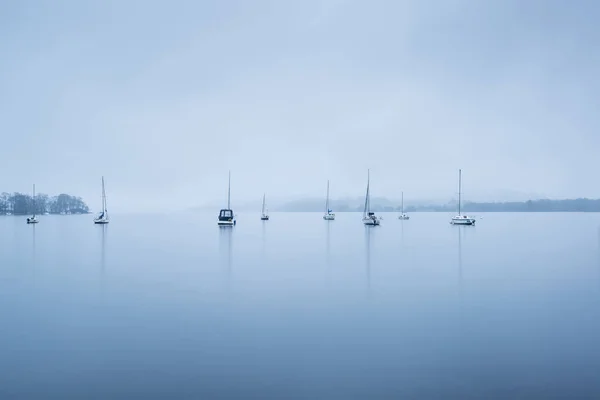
(164, 98)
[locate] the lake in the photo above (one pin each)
(172, 306)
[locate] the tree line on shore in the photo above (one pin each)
(384, 205)
(21, 204)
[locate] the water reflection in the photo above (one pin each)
(264, 239)
(225, 247)
(103, 249)
(368, 258)
(328, 244)
(460, 279)
(33, 248)
(402, 233)
(460, 268)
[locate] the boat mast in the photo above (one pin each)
(34, 200)
(459, 188)
(327, 201)
(103, 197)
(402, 206)
(367, 202)
(263, 207)
(229, 192)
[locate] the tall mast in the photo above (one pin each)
(402, 203)
(327, 201)
(367, 205)
(459, 188)
(34, 199)
(263, 207)
(368, 192)
(229, 192)
(103, 197)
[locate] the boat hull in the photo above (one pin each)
(329, 217)
(403, 217)
(101, 221)
(462, 221)
(264, 218)
(371, 222)
(226, 223)
(32, 221)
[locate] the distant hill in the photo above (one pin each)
(381, 204)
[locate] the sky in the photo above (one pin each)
(162, 98)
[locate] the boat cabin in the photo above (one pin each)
(226, 215)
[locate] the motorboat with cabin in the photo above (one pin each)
(226, 215)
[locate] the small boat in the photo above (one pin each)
(226, 215)
(461, 219)
(102, 217)
(369, 217)
(403, 214)
(328, 216)
(33, 219)
(265, 213)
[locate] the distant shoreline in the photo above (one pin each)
(384, 205)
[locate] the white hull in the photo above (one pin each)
(32, 220)
(462, 220)
(101, 221)
(403, 217)
(329, 217)
(226, 223)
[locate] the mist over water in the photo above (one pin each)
(174, 307)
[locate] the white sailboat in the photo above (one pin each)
(102, 217)
(329, 216)
(265, 213)
(461, 219)
(226, 215)
(33, 219)
(369, 217)
(403, 216)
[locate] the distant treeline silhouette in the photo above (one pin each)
(21, 204)
(569, 205)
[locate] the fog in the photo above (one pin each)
(163, 98)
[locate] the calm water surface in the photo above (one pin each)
(171, 306)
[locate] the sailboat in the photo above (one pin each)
(33, 219)
(329, 216)
(403, 215)
(369, 217)
(226, 215)
(102, 217)
(461, 219)
(265, 213)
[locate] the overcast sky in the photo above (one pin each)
(163, 97)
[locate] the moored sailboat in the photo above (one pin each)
(33, 219)
(265, 213)
(461, 219)
(102, 217)
(329, 215)
(369, 217)
(403, 215)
